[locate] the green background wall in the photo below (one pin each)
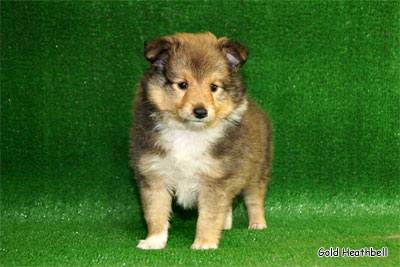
(327, 72)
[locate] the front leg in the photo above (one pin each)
(214, 203)
(156, 203)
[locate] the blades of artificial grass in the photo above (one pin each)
(287, 241)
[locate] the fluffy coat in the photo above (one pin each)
(198, 138)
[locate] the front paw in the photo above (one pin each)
(204, 245)
(154, 242)
(258, 226)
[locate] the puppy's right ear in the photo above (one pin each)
(159, 51)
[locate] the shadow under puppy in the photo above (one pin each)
(198, 138)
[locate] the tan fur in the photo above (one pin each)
(199, 161)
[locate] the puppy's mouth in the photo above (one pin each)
(196, 123)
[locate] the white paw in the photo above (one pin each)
(154, 242)
(204, 246)
(258, 226)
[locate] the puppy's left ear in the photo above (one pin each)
(235, 52)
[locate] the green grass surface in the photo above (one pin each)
(327, 72)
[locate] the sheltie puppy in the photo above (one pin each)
(197, 137)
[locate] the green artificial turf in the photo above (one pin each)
(326, 71)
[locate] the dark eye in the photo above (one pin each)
(213, 87)
(183, 85)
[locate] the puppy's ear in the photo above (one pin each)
(159, 51)
(234, 52)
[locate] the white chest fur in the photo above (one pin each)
(187, 159)
(187, 156)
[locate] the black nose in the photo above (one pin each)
(200, 113)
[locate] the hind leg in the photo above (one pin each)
(228, 219)
(254, 197)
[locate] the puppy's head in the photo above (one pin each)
(193, 79)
